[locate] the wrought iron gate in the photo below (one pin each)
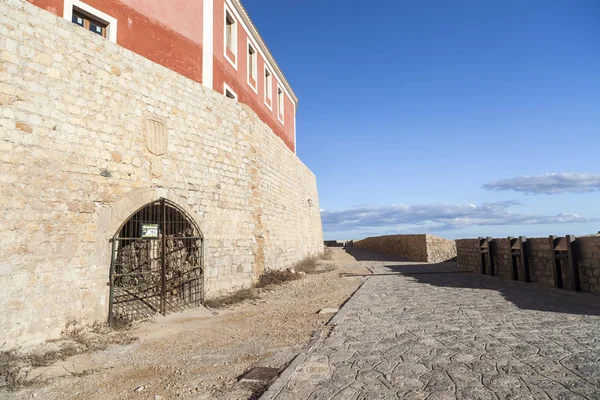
(157, 263)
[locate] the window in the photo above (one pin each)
(230, 38)
(229, 93)
(89, 23)
(229, 24)
(268, 88)
(280, 104)
(252, 67)
(91, 19)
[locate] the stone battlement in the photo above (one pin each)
(540, 259)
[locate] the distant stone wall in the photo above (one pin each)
(440, 249)
(80, 152)
(420, 248)
(468, 256)
(586, 249)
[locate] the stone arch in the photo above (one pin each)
(157, 263)
(111, 216)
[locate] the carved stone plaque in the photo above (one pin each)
(156, 137)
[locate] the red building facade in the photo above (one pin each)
(213, 42)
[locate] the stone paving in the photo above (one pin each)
(442, 334)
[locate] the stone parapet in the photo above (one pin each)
(541, 263)
(422, 248)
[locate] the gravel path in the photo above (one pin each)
(430, 332)
(198, 355)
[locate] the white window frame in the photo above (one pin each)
(226, 89)
(234, 38)
(280, 105)
(250, 45)
(111, 22)
(208, 43)
(268, 93)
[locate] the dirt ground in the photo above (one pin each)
(200, 354)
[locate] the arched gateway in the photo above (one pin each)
(157, 263)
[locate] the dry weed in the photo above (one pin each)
(121, 324)
(15, 366)
(11, 369)
(74, 331)
(271, 278)
(310, 265)
(44, 358)
(235, 298)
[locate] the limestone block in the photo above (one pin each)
(44, 59)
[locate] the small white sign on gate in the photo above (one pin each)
(149, 230)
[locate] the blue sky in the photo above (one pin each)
(445, 117)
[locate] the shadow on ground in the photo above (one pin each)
(527, 296)
(369, 255)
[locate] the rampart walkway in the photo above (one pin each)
(442, 334)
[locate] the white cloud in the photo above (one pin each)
(437, 217)
(549, 183)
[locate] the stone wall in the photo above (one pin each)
(468, 256)
(440, 249)
(420, 248)
(586, 249)
(76, 163)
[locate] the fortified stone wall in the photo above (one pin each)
(420, 248)
(81, 150)
(468, 256)
(440, 249)
(586, 249)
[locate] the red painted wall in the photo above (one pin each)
(181, 16)
(146, 37)
(54, 6)
(224, 72)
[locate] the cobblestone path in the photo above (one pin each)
(438, 334)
